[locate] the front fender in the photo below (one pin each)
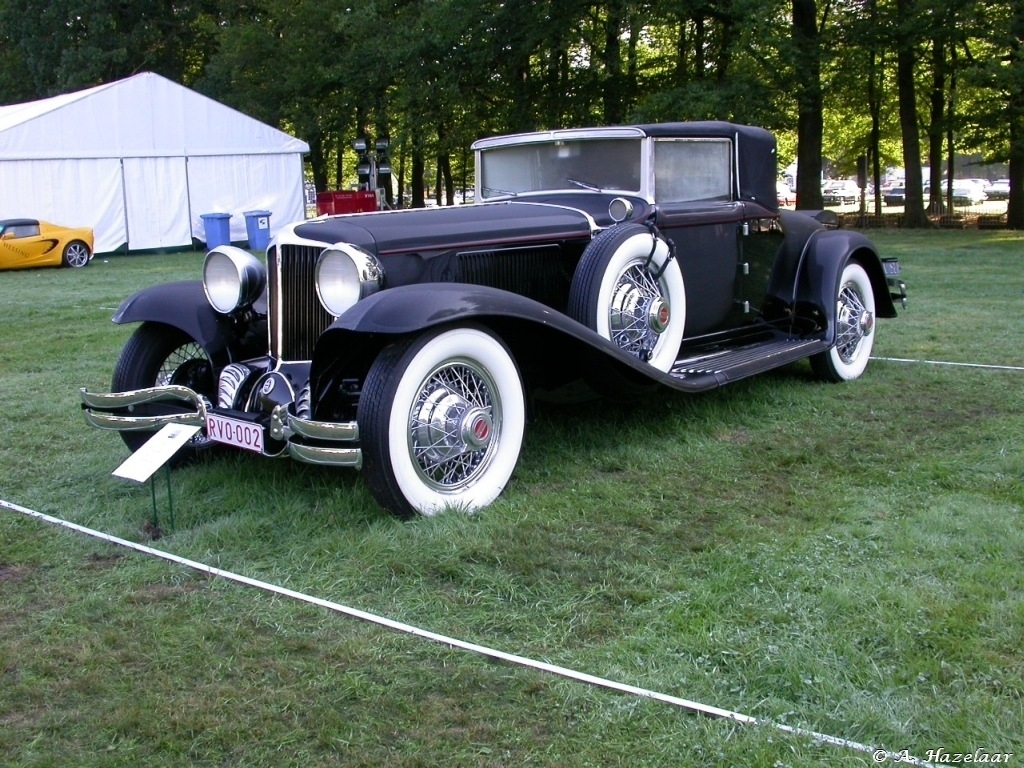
(533, 330)
(411, 308)
(183, 305)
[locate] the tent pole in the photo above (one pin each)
(124, 202)
(188, 201)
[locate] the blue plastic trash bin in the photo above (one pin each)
(218, 229)
(257, 228)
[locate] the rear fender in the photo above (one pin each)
(825, 257)
(183, 305)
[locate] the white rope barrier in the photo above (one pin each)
(878, 755)
(944, 362)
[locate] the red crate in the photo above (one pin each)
(345, 202)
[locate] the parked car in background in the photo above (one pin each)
(999, 190)
(895, 196)
(840, 192)
(784, 194)
(968, 194)
(410, 344)
(26, 243)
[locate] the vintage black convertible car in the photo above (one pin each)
(411, 343)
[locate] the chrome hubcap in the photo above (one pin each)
(658, 315)
(454, 426)
(638, 313)
(854, 322)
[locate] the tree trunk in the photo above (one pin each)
(612, 90)
(383, 132)
(950, 138)
(810, 124)
(317, 163)
(937, 103)
(338, 142)
(875, 108)
(445, 182)
(699, 42)
(681, 75)
(400, 192)
(1015, 205)
(913, 212)
(418, 169)
(728, 23)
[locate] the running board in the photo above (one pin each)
(712, 368)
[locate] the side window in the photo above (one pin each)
(24, 230)
(690, 170)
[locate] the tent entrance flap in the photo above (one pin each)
(156, 193)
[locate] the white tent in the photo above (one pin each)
(141, 160)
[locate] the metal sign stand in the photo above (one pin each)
(157, 531)
(155, 453)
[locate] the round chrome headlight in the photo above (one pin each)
(345, 274)
(232, 278)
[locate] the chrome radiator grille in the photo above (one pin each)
(296, 316)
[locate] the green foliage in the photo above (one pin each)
(995, 67)
(66, 45)
(835, 557)
(433, 75)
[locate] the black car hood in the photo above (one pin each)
(477, 227)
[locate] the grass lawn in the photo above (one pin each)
(840, 558)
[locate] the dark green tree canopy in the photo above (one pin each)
(832, 78)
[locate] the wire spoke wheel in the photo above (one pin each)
(854, 328)
(187, 365)
(157, 355)
(635, 296)
(452, 424)
(853, 322)
(628, 287)
(441, 419)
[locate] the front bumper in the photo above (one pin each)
(897, 288)
(312, 442)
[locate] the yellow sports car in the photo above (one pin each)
(32, 243)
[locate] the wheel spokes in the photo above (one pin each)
(77, 256)
(453, 426)
(180, 361)
(853, 322)
(629, 313)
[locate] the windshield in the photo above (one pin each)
(612, 164)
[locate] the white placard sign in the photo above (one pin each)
(155, 452)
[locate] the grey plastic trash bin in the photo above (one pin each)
(218, 229)
(257, 228)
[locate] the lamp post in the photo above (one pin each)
(374, 167)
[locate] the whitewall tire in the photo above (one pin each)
(441, 421)
(854, 331)
(629, 288)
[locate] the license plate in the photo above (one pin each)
(241, 434)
